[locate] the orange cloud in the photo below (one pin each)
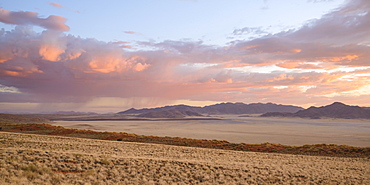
(13, 73)
(22, 73)
(140, 67)
(107, 64)
(73, 55)
(126, 46)
(2, 60)
(347, 58)
(234, 65)
(102, 67)
(225, 80)
(288, 65)
(282, 77)
(51, 53)
(251, 47)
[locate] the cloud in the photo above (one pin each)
(123, 44)
(57, 5)
(6, 89)
(345, 25)
(53, 22)
(130, 32)
(323, 61)
(340, 37)
(249, 30)
(69, 65)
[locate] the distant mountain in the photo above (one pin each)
(70, 112)
(335, 110)
(168, 114)
(174, 107)
(253, 108)
(222, 108)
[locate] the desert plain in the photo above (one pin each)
(45, 159)
(40, 159)
(243, 129)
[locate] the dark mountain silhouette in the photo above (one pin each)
(174, 107)
(222, 108)
(335, 110)
(70, 112)
(168, 114)
(253, 108)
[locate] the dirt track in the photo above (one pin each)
(35, 159)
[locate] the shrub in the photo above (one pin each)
(105, 161)
(30, 167)
(55, 180)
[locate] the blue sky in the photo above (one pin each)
(212, 21)
(107, 56)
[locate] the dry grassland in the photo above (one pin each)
(40, 159)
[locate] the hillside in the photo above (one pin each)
(253, 108)
(16, 118)
(222, 108)
(335, 110)
(168, 114)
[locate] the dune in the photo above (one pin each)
(40, 159)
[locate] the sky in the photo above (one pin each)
(108, 56)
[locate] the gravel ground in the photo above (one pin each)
(37, 159)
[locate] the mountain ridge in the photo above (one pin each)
(222, 108)
(334, 110)
(168, 114)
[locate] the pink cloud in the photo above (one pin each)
(51, 53)
(52, 22)
(123, 44)
(294, 67)
(130, 32)
(57, 5)
(120, 42)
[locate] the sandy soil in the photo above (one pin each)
(36, 159)
(288, 131)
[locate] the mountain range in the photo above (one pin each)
(168, 114)
(222, 108)
(335, 110)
